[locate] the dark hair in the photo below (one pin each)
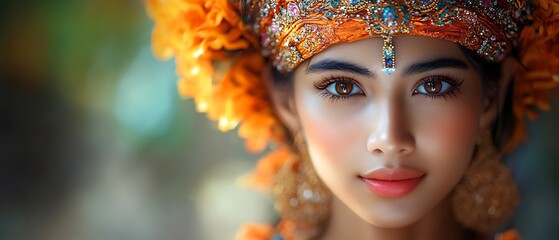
(280, 78)
(491, 73)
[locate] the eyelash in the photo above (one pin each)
(322, 85)
(452, 92)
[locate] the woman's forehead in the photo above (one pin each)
(408, 50)
(405, 46)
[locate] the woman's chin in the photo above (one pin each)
(391, 220)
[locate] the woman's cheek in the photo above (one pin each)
(326, 135)
(452, 131)
(329, 127)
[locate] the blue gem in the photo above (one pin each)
(389, 63)
(354, 2)
(388, 53)
(334, 3)
(406, 15)
(426, 2)
(329, 15)
(389, 17)
(388, 70)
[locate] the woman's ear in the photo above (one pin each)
(494, 105)
(282, 100)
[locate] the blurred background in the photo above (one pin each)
(96, 144)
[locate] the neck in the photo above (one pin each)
(439, 223)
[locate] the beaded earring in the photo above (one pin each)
(487, 194)
(301, 197)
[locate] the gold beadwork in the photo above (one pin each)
(487, 194)
(300, 195)
(388, 56)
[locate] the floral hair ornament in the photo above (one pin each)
(221, 48)
(219, 65)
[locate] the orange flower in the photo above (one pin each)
(548, 8)
(509, 235)
(205, 38)
(263, 175)
(251, 231)
(539, 58)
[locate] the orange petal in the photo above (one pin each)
(252, 231)
(508, 235)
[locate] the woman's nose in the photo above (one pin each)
(390, 135)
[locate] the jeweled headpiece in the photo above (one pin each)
(293, 31)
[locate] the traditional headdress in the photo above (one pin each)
(293, 31)
(221, 48)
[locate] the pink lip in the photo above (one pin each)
(392, 182)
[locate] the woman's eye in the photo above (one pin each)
(433, 87)
(343, 88)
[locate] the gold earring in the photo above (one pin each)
(487, 194)
(301, 198)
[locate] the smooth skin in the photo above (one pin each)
(427, 115)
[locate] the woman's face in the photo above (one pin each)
(390, 146)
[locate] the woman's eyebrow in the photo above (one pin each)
(446, 62)
(336, 65)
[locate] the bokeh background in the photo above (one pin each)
(95, 142)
